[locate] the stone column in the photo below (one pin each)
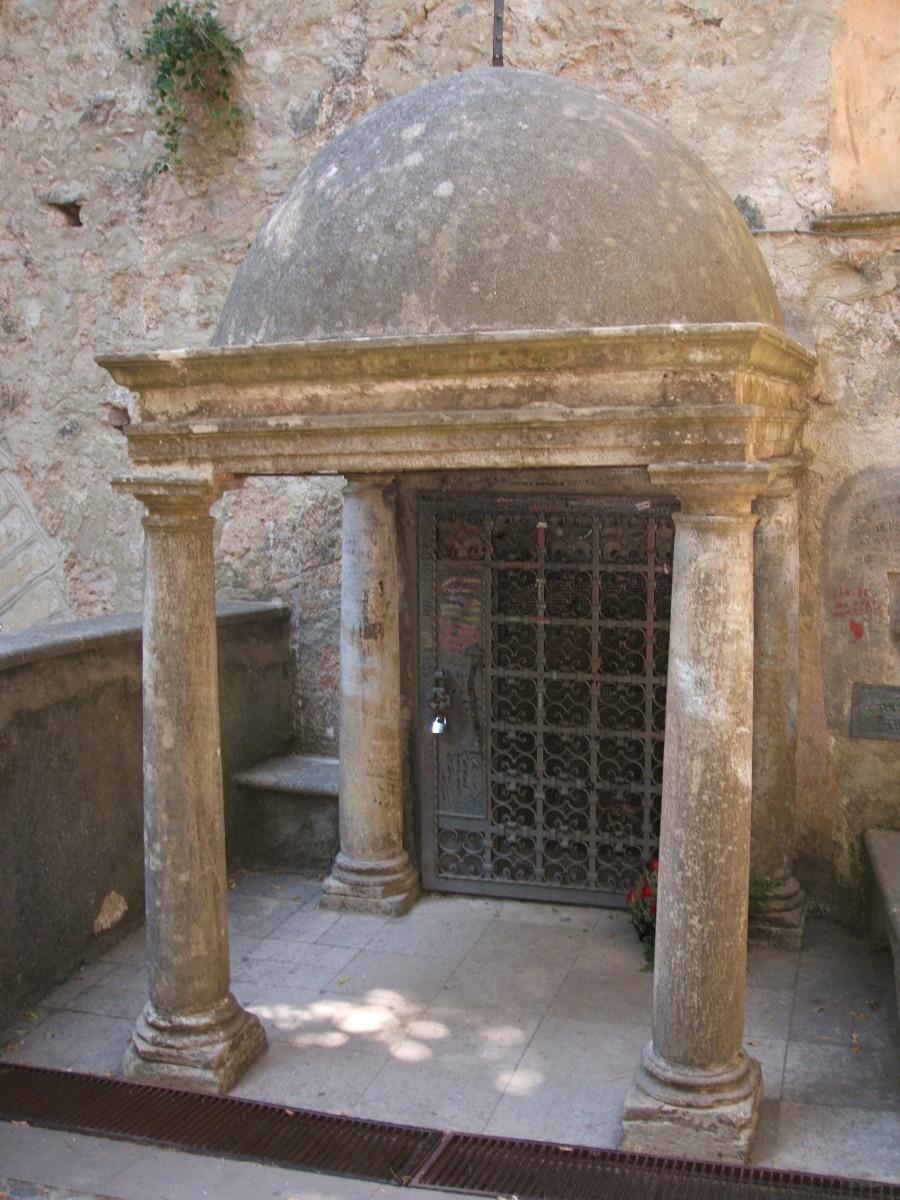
(696, 1091)
(372, 871)
(192, 1032)
(778, 907)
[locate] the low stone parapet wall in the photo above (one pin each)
(71, 841)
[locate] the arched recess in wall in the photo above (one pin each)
(865, 108)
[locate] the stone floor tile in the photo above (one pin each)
(395, 980)
(624, 997)
(110, 1002)
(55, 1159)
(171, 1175)
(430, 931)
(554, 1111)
(770, 1053)
(305, 888)
(771, 968)
(83, 978)
(23, 1027)
(330, 1021)
(768, 1012)
(132, 947)
(445, 1034)
(613, 946)
(843, 1075)
(555, 915)
(307, 925)
(514, 1033)
(496, 986)
(282, 961)
(833, 1010)
(313, 1077)
(128, 977)
(407, 1092)
(463, 908)
(76, 1042)
(584, 1054)
(353, 929)
(519, 943)
(260, 915)
(825, 1139)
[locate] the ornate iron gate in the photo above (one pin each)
(544, 626)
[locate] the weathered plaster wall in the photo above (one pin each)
(749, 86)
(865, 106)
(71, 854)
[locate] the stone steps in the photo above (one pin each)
(291, 812)
(883, 846)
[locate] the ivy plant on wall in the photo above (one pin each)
(193, 57)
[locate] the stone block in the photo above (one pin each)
(291, 813)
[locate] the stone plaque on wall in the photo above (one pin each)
(875, 712)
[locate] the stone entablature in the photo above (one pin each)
(622, 397)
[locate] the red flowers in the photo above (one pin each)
(641, 903)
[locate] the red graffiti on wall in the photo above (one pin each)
(854, 602)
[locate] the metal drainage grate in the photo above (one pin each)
(220, 1125)
(539, 1171)
(395, 1154)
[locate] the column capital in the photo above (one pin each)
(714, 489)
(175, 492)
(790, 474)
(380, 482)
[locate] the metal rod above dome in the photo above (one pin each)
(497, 60)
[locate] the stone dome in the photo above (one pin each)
(497, 200)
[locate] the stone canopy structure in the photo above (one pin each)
(502, 272)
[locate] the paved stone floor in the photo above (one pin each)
(525, 1020)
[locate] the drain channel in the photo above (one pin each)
(276, 1135)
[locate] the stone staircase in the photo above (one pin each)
(291, 812)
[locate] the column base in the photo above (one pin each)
(203, 1052)
(691, 1113)
(389, 888)
(781, 922)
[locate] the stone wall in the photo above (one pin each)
(770, 94)
(71, 854)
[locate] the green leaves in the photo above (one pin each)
(193, 56)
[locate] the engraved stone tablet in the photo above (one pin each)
(875, 712)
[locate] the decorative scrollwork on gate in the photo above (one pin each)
(575, 664)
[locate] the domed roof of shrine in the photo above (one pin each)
(497, 200)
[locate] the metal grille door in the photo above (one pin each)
(544, 628)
